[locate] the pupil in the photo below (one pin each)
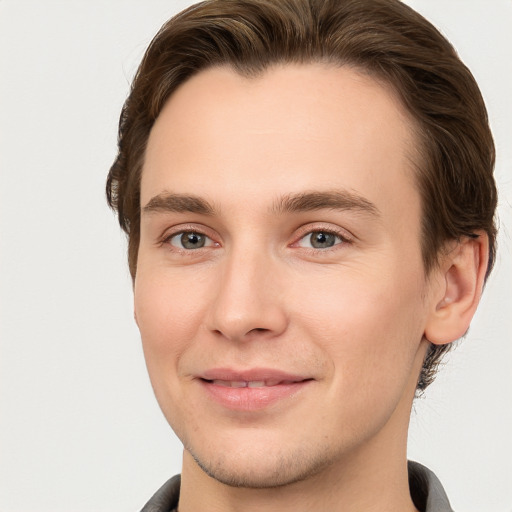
(192, 240)
(321, 240)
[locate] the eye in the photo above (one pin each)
(320, 240)
(190, 240)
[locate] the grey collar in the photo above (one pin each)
(426, 491)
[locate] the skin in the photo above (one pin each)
(353, 318)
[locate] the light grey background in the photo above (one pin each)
(79, 427)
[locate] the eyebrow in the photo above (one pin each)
(168, 202)
(325, 200)
(290, 203)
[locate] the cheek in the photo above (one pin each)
(370, 327)
(168, 312)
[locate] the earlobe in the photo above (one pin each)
(462, 276)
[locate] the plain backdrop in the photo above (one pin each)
(79, 426)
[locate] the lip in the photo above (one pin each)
(251, 390)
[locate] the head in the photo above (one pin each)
(384, 39)
(450, 150)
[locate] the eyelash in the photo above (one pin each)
(167, 239)
(308, 231)
(303, 233)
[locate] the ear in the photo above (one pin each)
(462, 276)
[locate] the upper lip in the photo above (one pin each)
(251, 375)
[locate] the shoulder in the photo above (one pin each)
(166, 498)
(427, 491)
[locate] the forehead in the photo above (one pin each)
(292, 128)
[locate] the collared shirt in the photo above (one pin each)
(426, 491)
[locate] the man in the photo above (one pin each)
(307, 188)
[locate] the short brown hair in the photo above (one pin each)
(384, 38)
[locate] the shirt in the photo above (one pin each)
(427, 492)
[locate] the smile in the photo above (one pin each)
(249, 384)
(251, 390)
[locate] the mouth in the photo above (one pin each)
(252, 390)
(250, 383)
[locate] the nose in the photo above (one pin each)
(249, 302)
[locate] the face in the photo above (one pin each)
(280, 292)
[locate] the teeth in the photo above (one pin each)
(230, 383)
(256, 384)
(246, 384)
(238, 384)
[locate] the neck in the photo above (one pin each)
(374, 479)
(352, 489)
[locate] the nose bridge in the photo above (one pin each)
(248, 299)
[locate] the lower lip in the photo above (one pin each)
(252, 399)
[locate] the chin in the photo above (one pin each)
(262, 470)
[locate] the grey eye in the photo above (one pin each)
(322, 240)
(189, 240)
